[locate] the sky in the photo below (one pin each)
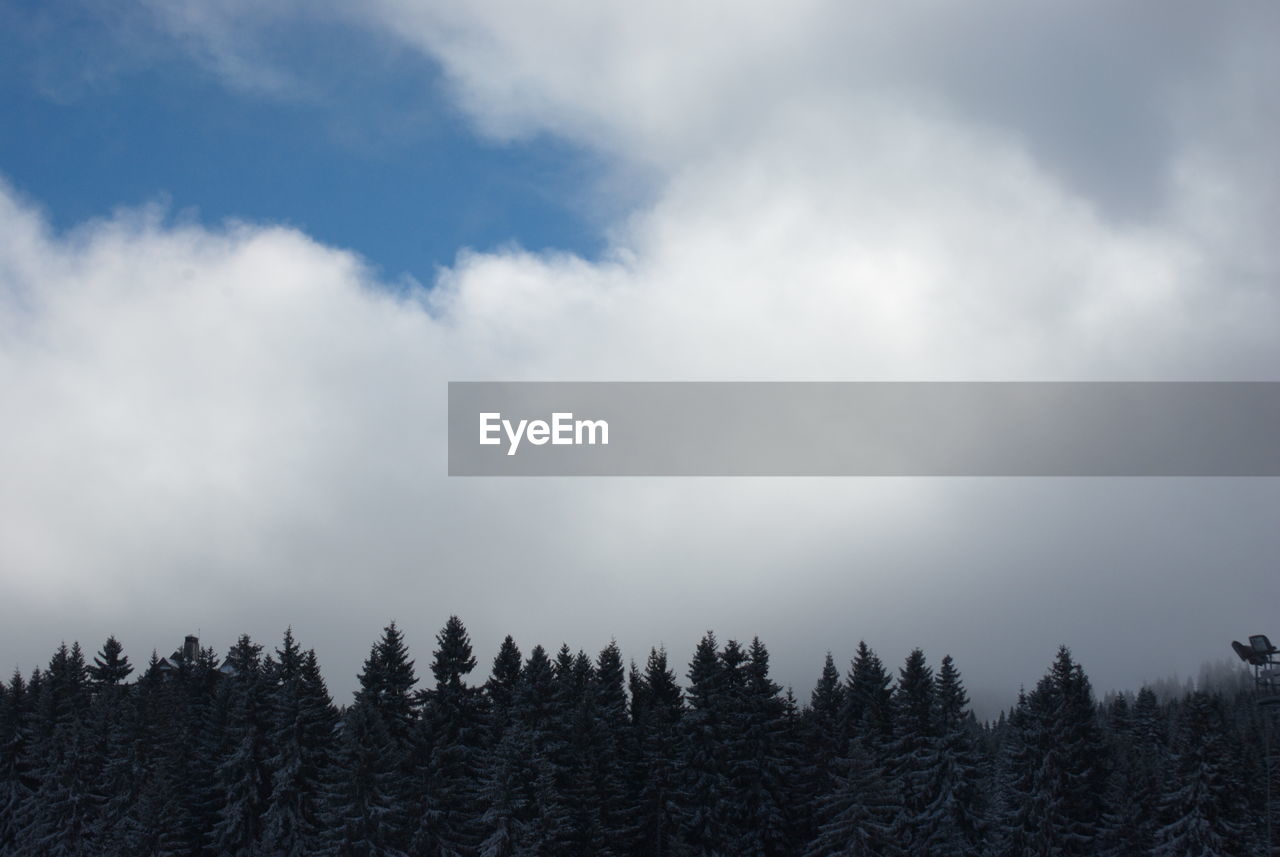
(245, 246)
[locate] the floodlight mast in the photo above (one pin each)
(1265, 660)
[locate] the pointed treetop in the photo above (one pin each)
(452, 660)
(111, 666)
(828, 695)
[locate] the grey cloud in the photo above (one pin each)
(237, 428)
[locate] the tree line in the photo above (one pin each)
(568, 755)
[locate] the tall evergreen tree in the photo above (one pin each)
(856, 819)
(868, 702)
(362, 811)
(657, 709)
(705, 823)
(1140, 750)
(111, 666)
(453, 738)
(302, 725)
(1202, 804)
(503, 797)
(760, 769)
(386, 684)
(913, 754)
(605, 745)
(242, 778)
(822, 744)
(60, 817)
(1056, 769)
(956, 817)
(15, 780)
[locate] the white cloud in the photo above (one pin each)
(241, 420)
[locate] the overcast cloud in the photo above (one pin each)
(238, 428)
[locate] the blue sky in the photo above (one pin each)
(378, 160)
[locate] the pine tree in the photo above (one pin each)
(61, 815)
(524, 809)
(856, 819)
(362, 814)
(386, 683)
(1202, 806)
(821, 745)
(242, 777)
(1019, 805)
(205, 713)
(111, 667)
(545, 706)
(500, 689)
(1055, 771)
(912, 754)
(868, 702)
(585, 778)
(956, 817)
(453, 720)
(502, 796)
(1077, 757)
(657, 710)
(607, 746)
(759, 769)
(16, 784)
(704, 822)
(1140, 750)
(302, 723)
(123, 771)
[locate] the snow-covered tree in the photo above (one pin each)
(362, 813)
(302, 726)
(657, 708)
(452, 739)
(1201, 808)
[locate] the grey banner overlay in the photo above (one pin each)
(875, 429)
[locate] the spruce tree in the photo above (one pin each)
(302, 724)
(607, 747)
(503, 801)
(386, 684)
(868, 702)
(363, 816)
(1202, 805)
(453, 721)
(61, 816)
(856, 819)
(500, 689)
(241, 778)
(912, 755)
(1056, 770)
(111, 666)
(16, 710)
(657, 711)
(956, 818)
(759, 764)
(821, 745)
(524, 810)
(1019, 807)
(705, 822)
(1134, 790)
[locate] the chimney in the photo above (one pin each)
(190, 648)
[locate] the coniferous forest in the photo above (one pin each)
(565, 754)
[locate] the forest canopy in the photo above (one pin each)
(569, 754)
